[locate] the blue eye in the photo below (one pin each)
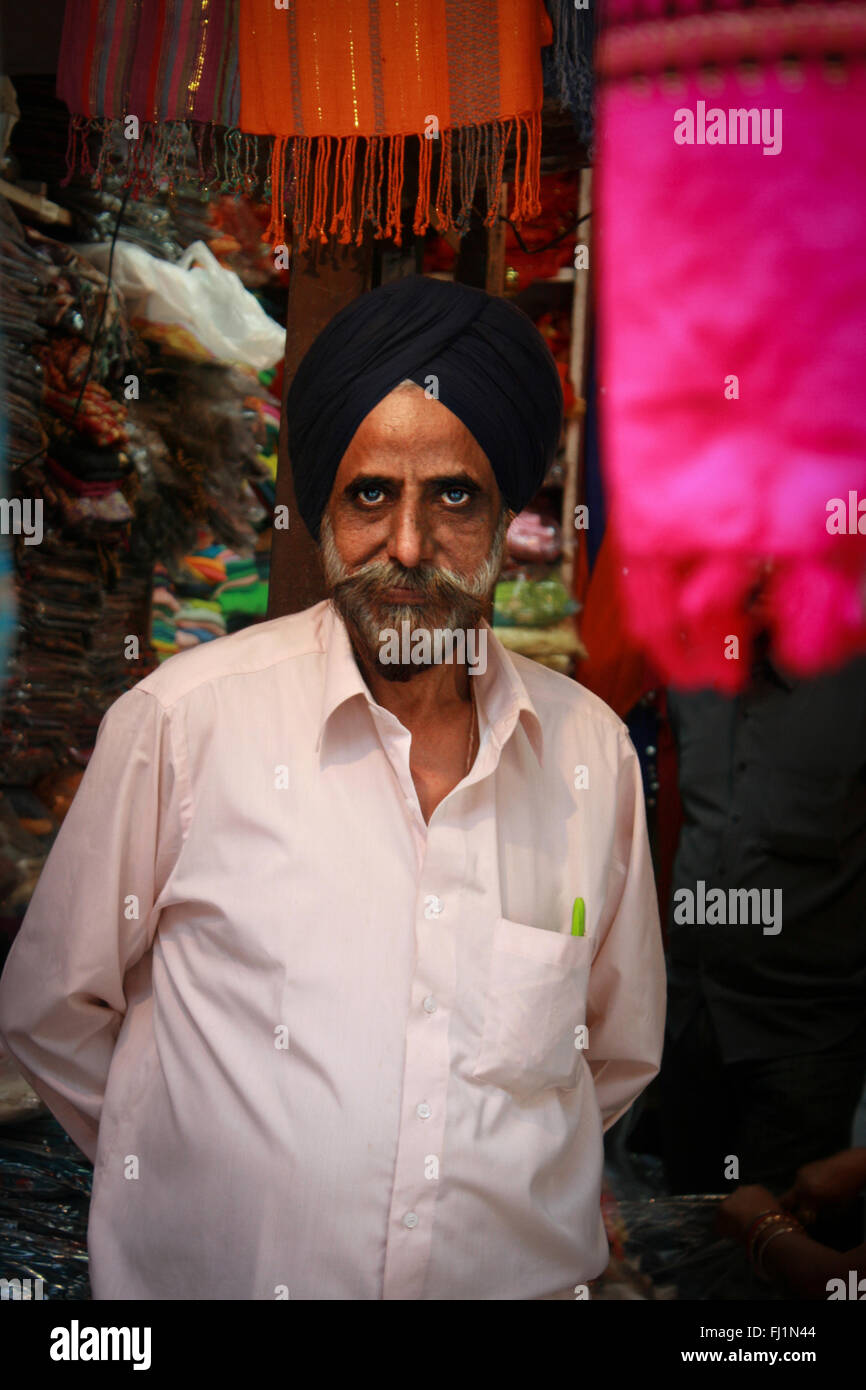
(449, 493)
(365, 491)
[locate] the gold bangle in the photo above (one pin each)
(766, 1218)
(785, 1230)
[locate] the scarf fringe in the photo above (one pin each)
(325, 175)
(323, 172)
(176, 151)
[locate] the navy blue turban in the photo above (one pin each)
(493, 368)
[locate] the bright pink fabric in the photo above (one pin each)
(717, 260)
(636, 11)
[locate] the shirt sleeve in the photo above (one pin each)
(93, 915)
(627, 989)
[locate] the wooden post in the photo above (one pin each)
(495, 283)
(471, 266)
(575, 429)
(323, 280)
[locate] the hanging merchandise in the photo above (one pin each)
(195, 437)
(195, 308)
(568, 64)
(732, 201)
(340, 92)
(120, 478)
(77, 581)
(216, 90)
(156, 79)
(22, 313)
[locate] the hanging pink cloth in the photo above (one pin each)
(732, 322)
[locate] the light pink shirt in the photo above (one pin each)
(315, 1047)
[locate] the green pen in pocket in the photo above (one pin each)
(578, 917)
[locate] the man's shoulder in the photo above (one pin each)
(557, 696)
(252, 650)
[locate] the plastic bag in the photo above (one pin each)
(667, 1248)
(194, 307)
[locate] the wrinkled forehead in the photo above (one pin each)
(409, 436)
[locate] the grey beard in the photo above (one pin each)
(458, 603)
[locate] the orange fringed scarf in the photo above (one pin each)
(351, 81)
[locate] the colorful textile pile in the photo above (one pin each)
(244, 590)
(165, 607)
(731, 319)
(211, 592)
(197, 621)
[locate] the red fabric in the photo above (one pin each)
(616, 670)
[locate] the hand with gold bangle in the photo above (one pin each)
(754, 1217)
(762, 1221)
(772, 1225)
(746, 1210)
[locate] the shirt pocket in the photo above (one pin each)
(535, 1002)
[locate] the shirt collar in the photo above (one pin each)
(500, 694)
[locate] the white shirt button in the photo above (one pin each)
(423, 1111)
(430, 1004)
(432, 907)
(410, 1220)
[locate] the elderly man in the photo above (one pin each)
(304, 974)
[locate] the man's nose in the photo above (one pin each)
(410, 542)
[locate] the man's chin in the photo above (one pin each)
(420, 617)
(376, 622)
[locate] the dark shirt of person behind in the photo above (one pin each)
(765, 1054)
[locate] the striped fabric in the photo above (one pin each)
(161, 60)
(173, 64)
(323, 90)
(349, 82)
